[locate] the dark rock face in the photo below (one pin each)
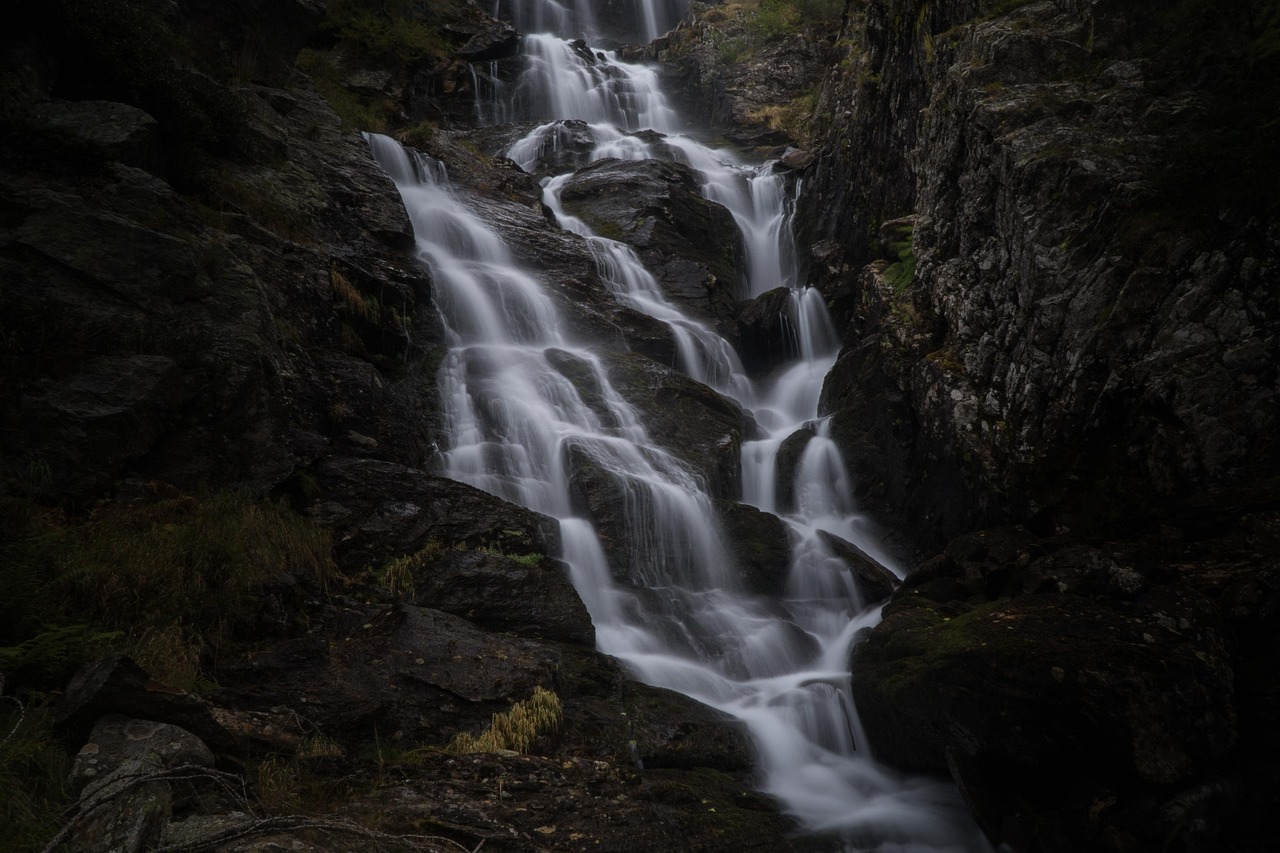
(691, 245)
(1056, 304)
(766, 340)
(702, 428)
(130, 308)
(1085, 696)
(1054, 339)
(757, 96)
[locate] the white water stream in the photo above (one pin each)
(517, 425)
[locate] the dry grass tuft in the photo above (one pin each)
(517, 729)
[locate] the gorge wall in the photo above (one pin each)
(1086, 330)
(1056, 264)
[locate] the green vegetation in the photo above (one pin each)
(417, 136)
(390, 31)
(902, 272)
(356, 114)
(397, 575)
(751, 24)
(392, 34)
(793, 118)
(34, 765)
(517, 729)
(169, 582)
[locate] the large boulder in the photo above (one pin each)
(760, 545)
(692, 246)
(1080, 695)
(766, 332)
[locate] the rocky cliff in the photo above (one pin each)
(1077, 330)
(1048, 241)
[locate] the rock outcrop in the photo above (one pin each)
(1050, 321)
(691, 245)
(1053, 295)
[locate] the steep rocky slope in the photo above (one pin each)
(208, 285)
(1076, 324)
(1050, 247)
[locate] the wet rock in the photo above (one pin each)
(766, 335)
(785, 466)
(795, 158)
(510, 201)
(875, 582)
(691, 245)
(760, 545)
(699, 426)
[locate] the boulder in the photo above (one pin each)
(766, 335)
(117, 686)
(125, 133)
(486, 39)
(397, 671)
(760, 545)
(788, 458)
(379, 511)
(117, 740)
(875, 582)
(692, 246)
(696, 424)
(1061, 688)
(528, 595)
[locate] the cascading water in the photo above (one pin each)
(632, 21)
(517, 423)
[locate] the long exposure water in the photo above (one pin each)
(517, 425)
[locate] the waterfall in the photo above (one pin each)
(520, 424)
(626, 21)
